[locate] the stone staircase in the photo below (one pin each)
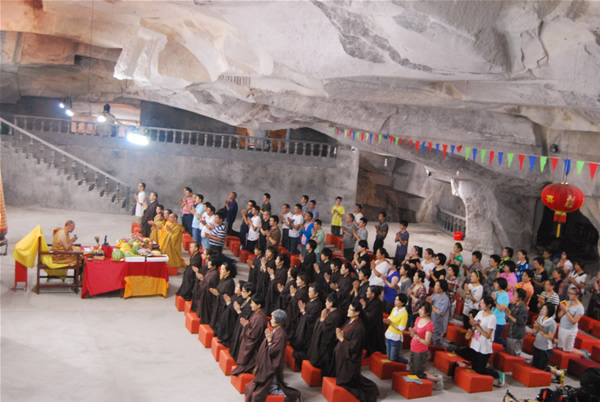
(36, 173)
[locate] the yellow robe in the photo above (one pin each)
(163, 233)
(155, 233)
(172, 245)
(57, 246)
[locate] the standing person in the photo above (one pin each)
(511, 278)
(548, 296)
(243, 234)
(593, 310)
(189, 275)
(266, 206)
(373, 314)
(421, 334)
(208, 224)
(318, 235)
(197, 212)
(313, 208)
(391, 280)
(296, 225)
(539, 280)
(405, 282)
(232, 210)
(310, 312)
(560, 284)
(360, 234)
(453, 287)
(337, 212)
(439, 272)
(265, 228)
(507, 255)
(140, 199)
(501, 304)
(274, 238)
(254, 225)
(149, 214)
(306, 232)
(187, 206)
(379, 269)
(564, 263)
(417, 294)
(348, 357)
(348, 242)
(548, 264)
(381, 230)
(285, 218)
(473, 295)
(270, 358)
(402, 239)
(440, 305)
(482, 335)
(516, 317)
(544, 329)
(491, 274)
(397, 322)
(577, 277)
(522, 264)
(172, 243)
(526, 285)
(569, 313)
(157, 224)
(358, 213)
(305, 205)
(216, 238)
(428, 264)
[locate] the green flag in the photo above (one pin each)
(579, 167)
(510, 158)
(543, 160)
(483, 152)
(467, 151)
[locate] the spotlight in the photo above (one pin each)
(69, 112)
(134, 136)
(61, 105)
(65, 103)
(101, 118)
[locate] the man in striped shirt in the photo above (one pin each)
(217, 235)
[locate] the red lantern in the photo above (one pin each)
(562, 199)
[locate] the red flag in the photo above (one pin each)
(458, 148)
(417, 146)
(521, 159)
(554, 163)
(593, 167)
(491, 156)
(406, 140)
(391, 140)
(430, 144)
(411, 141)
(362, 136)
(445, 148)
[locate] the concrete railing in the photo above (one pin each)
(451, 222)
(184, 137)
(74, 168)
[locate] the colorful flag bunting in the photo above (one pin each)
(458, 148)
(483, 153)
(579, 167)
(423, 147)
(532, 162)
(430, 144)
(521, 159)
(567, 166)
(467, 152)
(417, 146)
(474, 154)
(391, 140)
(543, 160)
(593, 167)
(411, 142)
(452, 151)
(510, 158)
(397, 138)
(437, 149)
(500, 155)
(445, 148)
(554, 164)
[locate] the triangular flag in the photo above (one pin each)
(579, 167)
(593, 167)
(491, 157)
(391, 140)
(474, 154)
(510, 158)
(467, 151)
(452, 151)
(398, 138)
(411, 142)
(483, 153)
(567, 166)
(362, 136)
(554, 163)
(437, 149)
(423, 147)
(445, 148)
(532, 159)
(543, 160)
(458, 148)
(430, 144)
(370, 138)
(417, 146)
(521, 159)
(380, 136)
(500, 155)
(353, 133)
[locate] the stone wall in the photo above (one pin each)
(167, 168)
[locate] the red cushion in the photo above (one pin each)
(244, 255)
(443, 361)
(505, 362)
(456, 334)
(216, 347)
(289, 359)
(585, 342)
(472, 382)
(561, 358)
(334, 393)
(226, 362)
(530, 376)
(596, 353)
(240, 381)
(192, 322)
(528, 344)
(205, 335)
(411, 390)
(275, 398)
(578, 366)
(383, 367)
(587, 323)
(311, 375)
(180, 303)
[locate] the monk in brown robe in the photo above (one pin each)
(277, 277)
(149, 214)
(243, 309)
(251, 337)
(189, 275)
(297, 293)
(320, 352)
(269, 364)
(309, 314)
(172, 244)
(226, 287)
(206, 300)
(348, 357)
(62, 241)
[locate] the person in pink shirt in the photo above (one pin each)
(187, 205)
(511, 278)
(421, 334)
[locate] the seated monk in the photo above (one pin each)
(62, 241)
(172, 244)
(269, 365)
(251, 337)
(157, 224)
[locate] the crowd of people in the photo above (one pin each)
(331, 309)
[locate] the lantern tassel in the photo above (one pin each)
(558, 230)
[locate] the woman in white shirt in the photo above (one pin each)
(577, 277)
(565, 263)
(379, 268)
(482, 337)
(428, 264)
(473, 295)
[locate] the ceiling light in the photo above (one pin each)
(134, 136)
(61, 105)
(101, 118)
(69, 112)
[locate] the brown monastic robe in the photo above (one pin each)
(251, 339)
(206, 300)
(149, 215)
(323, 341)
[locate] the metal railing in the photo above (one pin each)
(74, 168)
(184, 137)
(451, 222)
